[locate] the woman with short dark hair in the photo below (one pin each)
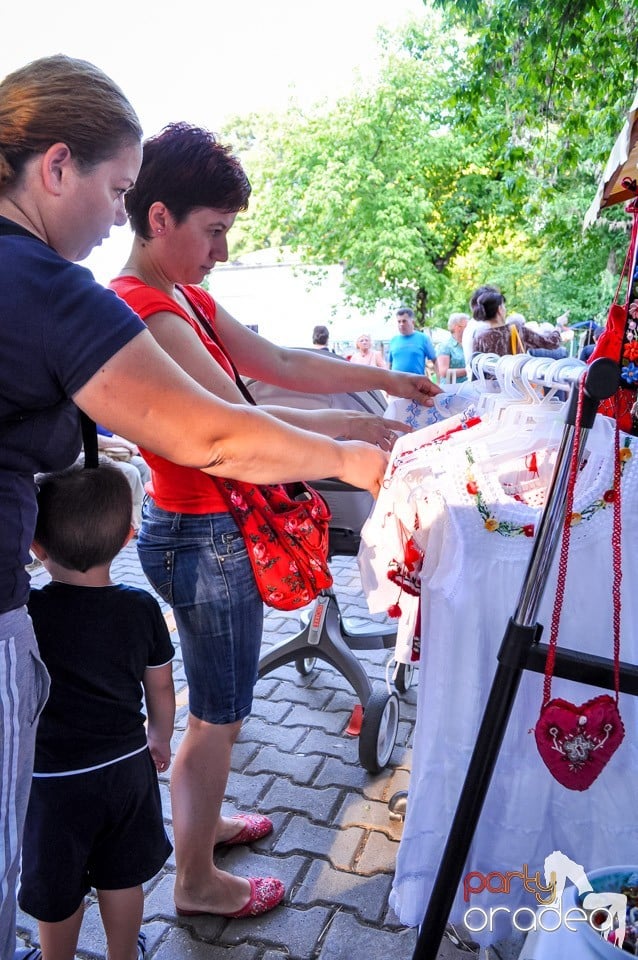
(187, 195)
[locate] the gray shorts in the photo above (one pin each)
(24, 687)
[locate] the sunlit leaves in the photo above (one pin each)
(472, 159)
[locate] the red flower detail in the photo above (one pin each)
(237, 500)
(412, 552)
(609, 496)
(528, 529)
(259, 550)
(471, 488)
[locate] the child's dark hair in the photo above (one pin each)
(485, 302)
(84, 516)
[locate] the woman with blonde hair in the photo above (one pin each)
(450, 359)
(365, 354)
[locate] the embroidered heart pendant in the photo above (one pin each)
(576, 742)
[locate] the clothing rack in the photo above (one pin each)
(521, 648)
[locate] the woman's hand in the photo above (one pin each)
(343, 424)
(412, 386)
(373, 429)
(363, 465)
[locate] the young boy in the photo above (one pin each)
(94, 817)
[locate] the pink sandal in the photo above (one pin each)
(255, 827)
(265, 894)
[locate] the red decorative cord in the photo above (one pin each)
(564, 551)
(616, 540)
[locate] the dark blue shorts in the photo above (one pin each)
(198, 563)
(101, 829)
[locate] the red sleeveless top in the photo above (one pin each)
(175, 488)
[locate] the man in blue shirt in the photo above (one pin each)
(410, 350)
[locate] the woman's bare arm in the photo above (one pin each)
(143, 395)
(257, 357)
(185, 347)
(343, 424)
(442, 364)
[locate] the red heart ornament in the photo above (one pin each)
(576, 742)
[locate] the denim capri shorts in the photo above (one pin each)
(198, 563)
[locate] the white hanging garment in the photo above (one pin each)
(477, 534)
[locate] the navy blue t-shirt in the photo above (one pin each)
(58, 326)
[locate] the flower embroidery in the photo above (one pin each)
(630, 373)
(238, 501)
(508, 529)
(629, 367)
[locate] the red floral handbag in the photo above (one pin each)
(285, 528)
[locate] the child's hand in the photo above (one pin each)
(161, 753)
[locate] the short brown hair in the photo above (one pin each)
(485, 302)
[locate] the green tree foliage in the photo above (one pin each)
(570, 65)
(472, 160)
(381, 183)
(562, 73)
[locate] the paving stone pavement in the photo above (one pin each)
(333, 844)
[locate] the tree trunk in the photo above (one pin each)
(421, 306)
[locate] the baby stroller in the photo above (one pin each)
(325, 633)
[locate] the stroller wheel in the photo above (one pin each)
(378, 730)
(404, 677)
(305, 665)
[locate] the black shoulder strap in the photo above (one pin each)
(89, 441)
(243, 389)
